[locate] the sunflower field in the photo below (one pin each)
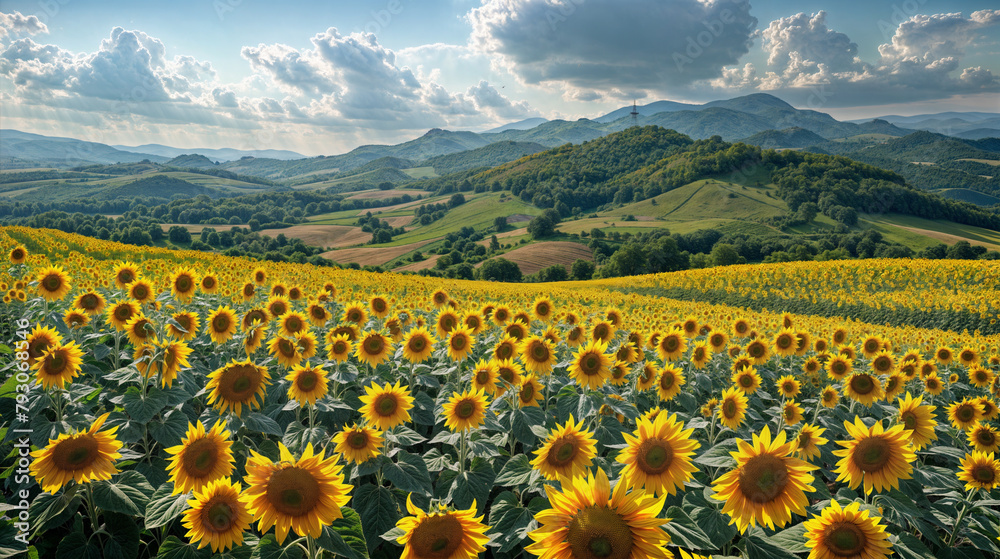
(184, 405)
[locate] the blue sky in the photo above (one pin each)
(324, 77)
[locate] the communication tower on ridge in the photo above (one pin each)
(635, 114)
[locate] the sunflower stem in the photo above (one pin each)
(91, 508)
(311, 548)
(961, 516)
(463, 452)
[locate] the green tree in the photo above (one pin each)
(724, 254)
(582, 270)
(499, 269)
(540, 227)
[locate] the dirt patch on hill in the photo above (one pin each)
(323, 236)
(426, 264)
(383, 194)
(371, 256)
(534, 257)
(518, 218)
(398, 221)
(948, 238)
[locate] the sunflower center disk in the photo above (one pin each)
(845, 539)
(986, 438)
(540, 353)
(872, 454)
(729, 409)
(763, 478)
(52, 282)
(591, 365)
(220, 517)
(293, 491)
(527, 392)
(56, 363)
(746, 381)
(75, 453)
(200, 458)
(966, 413)
(437, 537)
(238, 383)
(862, 384)
(599, 533)
(666, 381)
(386, 405)
(562, 452)
(458, 342)
(358, 440)
(307, 381)
(220, 323)
(482, 377)
(465, 409)
(654, 456)
(984, 473)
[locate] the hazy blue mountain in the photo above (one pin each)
(711, 121)
(64, 152)
(648, 110)
(223, 154)
(519, 125)
(979, 133)
(554, 133)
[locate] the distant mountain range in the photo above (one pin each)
(748, 118)
(224, 154)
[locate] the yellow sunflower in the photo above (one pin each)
(767, 485)
(53, 283)
(669, 382)
(217, 517)
(254, 338)
(386, 406)
(894, 385)
(203, 456)
(141, 291)
(658, 456)
(878, 456)
(587, 520)
(964, 414)
(846, 532)
(944, 355)
(301, 495)
(671, 346)
(980, 470)
(90, 302)
(567, 452)
(140, 330)
(444, 534)
(918, 420)
(18, 255)
(510, 373)
(808, 441)
(785, 342)
(983, 437)
(175, 357)
(125, 273)
(791, 411)
(460, 343)
(829, 397)
(58, 365)
(933, 384)
(358, 444)
(990, 410)
(839, 367)
(418, 345)
(183, 284)
(646, 377)
(373, 348)
(864, 388)
(277, 305)
(968, 356)
(538, 355)
(530, 392)
(758, 351)
(746, 380)
(183, 325)
(484, 377)
(308, 384)
(292, 323)
(237, 385)
(209, 283)
(84, 456)
(221, 324)
(788, 386)
(590, 365)
(871, 346)
(75, 319)
(701, 354)
(732, 407)
(506, 349)
(981, 377)
(465, 411)
(285, 350)
(603, 331)
(619, 373)
(338, 348)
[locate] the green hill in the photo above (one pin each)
(193, 161)
(787, 138)
(491, 155)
